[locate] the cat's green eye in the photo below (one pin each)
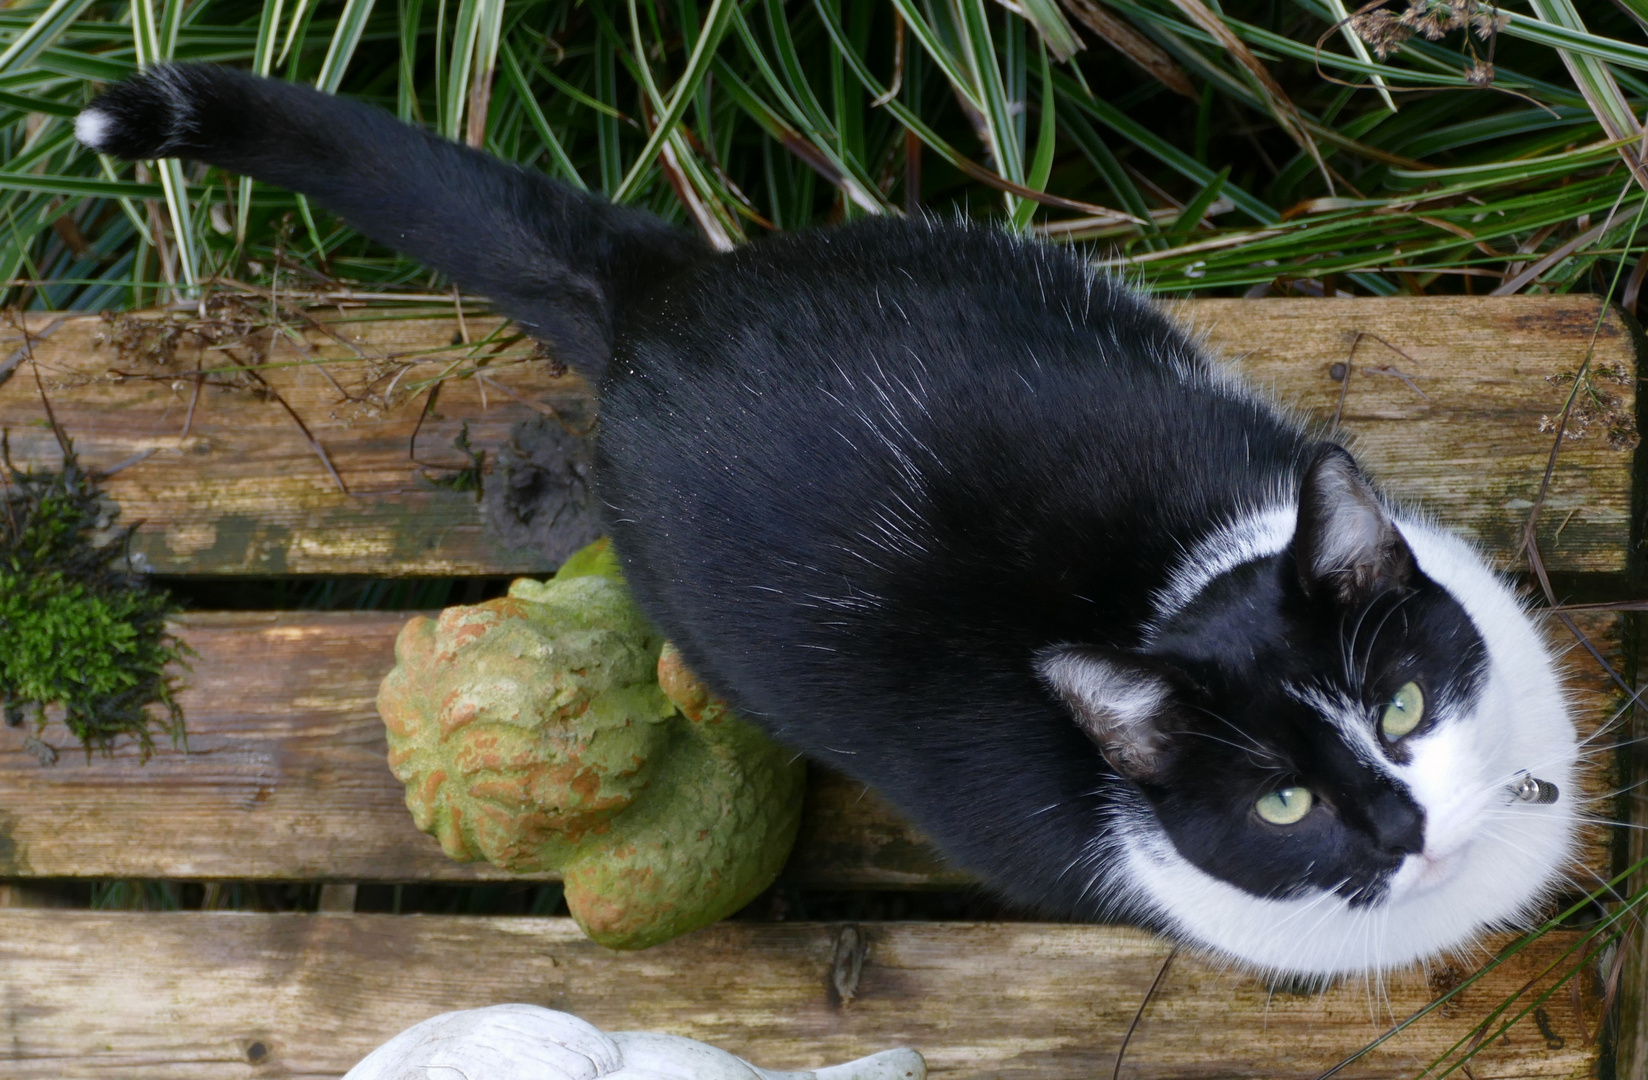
(1286, 806)
(1404, 712)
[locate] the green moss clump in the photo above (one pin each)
(79, 632)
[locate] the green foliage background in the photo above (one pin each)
(1248, 147)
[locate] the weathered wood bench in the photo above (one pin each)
(1450, 402)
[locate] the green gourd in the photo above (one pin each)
(553, 730)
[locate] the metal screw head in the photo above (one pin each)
(1531, 789)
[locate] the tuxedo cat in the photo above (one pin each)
(954, 515)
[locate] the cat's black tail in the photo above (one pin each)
(559, 261)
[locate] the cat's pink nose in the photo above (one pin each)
(1435, 868)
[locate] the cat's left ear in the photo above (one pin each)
(1345, 545)
(1116, 700)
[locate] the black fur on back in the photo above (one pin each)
(861, 476)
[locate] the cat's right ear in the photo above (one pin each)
(1116, 700)
(1346, 546)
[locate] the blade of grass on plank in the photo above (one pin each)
(1502, 957)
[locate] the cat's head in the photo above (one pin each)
(1329, 732)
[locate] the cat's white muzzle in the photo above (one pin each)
(1423, 872)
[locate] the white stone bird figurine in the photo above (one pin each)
(526, 1042)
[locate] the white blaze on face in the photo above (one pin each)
(1476, 831)
(1483, 847)
(1449, 776)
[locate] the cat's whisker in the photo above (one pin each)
(1608, 727)
(1589, 749)
(1612, 793)
(1377, 969)
(1606, 888)
(1347, 648)
(1325, 896)
(1373, 638)
(1253, 746)
(1328, 895)
(1608, 822)
(1353, 670)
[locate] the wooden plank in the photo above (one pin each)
(233, 485)
(223, 995)
(1446, 399)
(285, 778)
